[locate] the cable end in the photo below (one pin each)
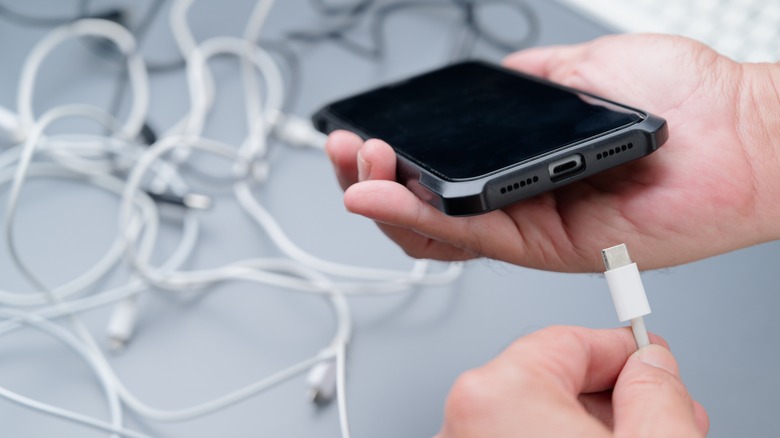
(616, 257)
(628, 293)
(121, 325)
(197, 201)
(116, 344)
(193, 201)
(316, 397)
(298, 132)
(322, 382)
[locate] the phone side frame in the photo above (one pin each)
(526, 179)
(532, 178)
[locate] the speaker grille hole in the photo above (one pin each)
(613, 151)
(520, 184)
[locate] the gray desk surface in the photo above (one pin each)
(719, 315)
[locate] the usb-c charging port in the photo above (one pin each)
(566, 167)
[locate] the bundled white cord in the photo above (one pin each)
(117, 34)
(628, 293)
(152, 175)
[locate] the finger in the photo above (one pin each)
(376, 161)
(535, 384)
(483, 403)
(380, 198)
(542, 61)
(494, 234)
(599, 405)
(391, 203)
(576, 359)
(342, 148)
(422, 247)
(650, 399)
(702, 419)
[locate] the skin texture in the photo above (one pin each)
(710, 189)
(572, 381)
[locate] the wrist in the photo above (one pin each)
(758, 126)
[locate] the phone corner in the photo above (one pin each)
(656, 130)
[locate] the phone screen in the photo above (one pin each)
(469, 120)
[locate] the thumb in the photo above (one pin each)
(543, 61)
(650, 400)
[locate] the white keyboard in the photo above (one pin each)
(745, 30)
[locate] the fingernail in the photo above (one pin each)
(659, 357)
(364, 167)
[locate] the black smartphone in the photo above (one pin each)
(474, 137)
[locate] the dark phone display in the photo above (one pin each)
(470, 120)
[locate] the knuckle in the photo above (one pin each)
(470, 396)
(658, 382)
(561, 334)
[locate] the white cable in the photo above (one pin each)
(20, 175)
(341, 366)
(92, 159)
(16, 187)
(201, 87)
(343, 328)
(280, 239)
(107, 261)
(25, 159)
(628, 293)
(200, 80)
(298, 132)
(81, 153)
(101, 372)
(66, 415)
(179, 256)
(397, 281)
(252, 31)
(98, 270)
(221, 402)
(181, 30)
(98, 368)
(120, 36)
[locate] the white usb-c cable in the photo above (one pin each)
(628, 293)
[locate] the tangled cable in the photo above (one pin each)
(142, 176)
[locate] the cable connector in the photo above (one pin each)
(628, 293)
(121, 325)
(193, 201)
(322, 382)
(297, 131)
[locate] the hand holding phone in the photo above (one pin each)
(694, 198)
(475, 137)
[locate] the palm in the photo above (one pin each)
(670, 207)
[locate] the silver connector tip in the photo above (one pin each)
(316, 397)
(197, 201)
(616, 257)
(117, 344)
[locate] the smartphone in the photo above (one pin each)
(474, 137)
